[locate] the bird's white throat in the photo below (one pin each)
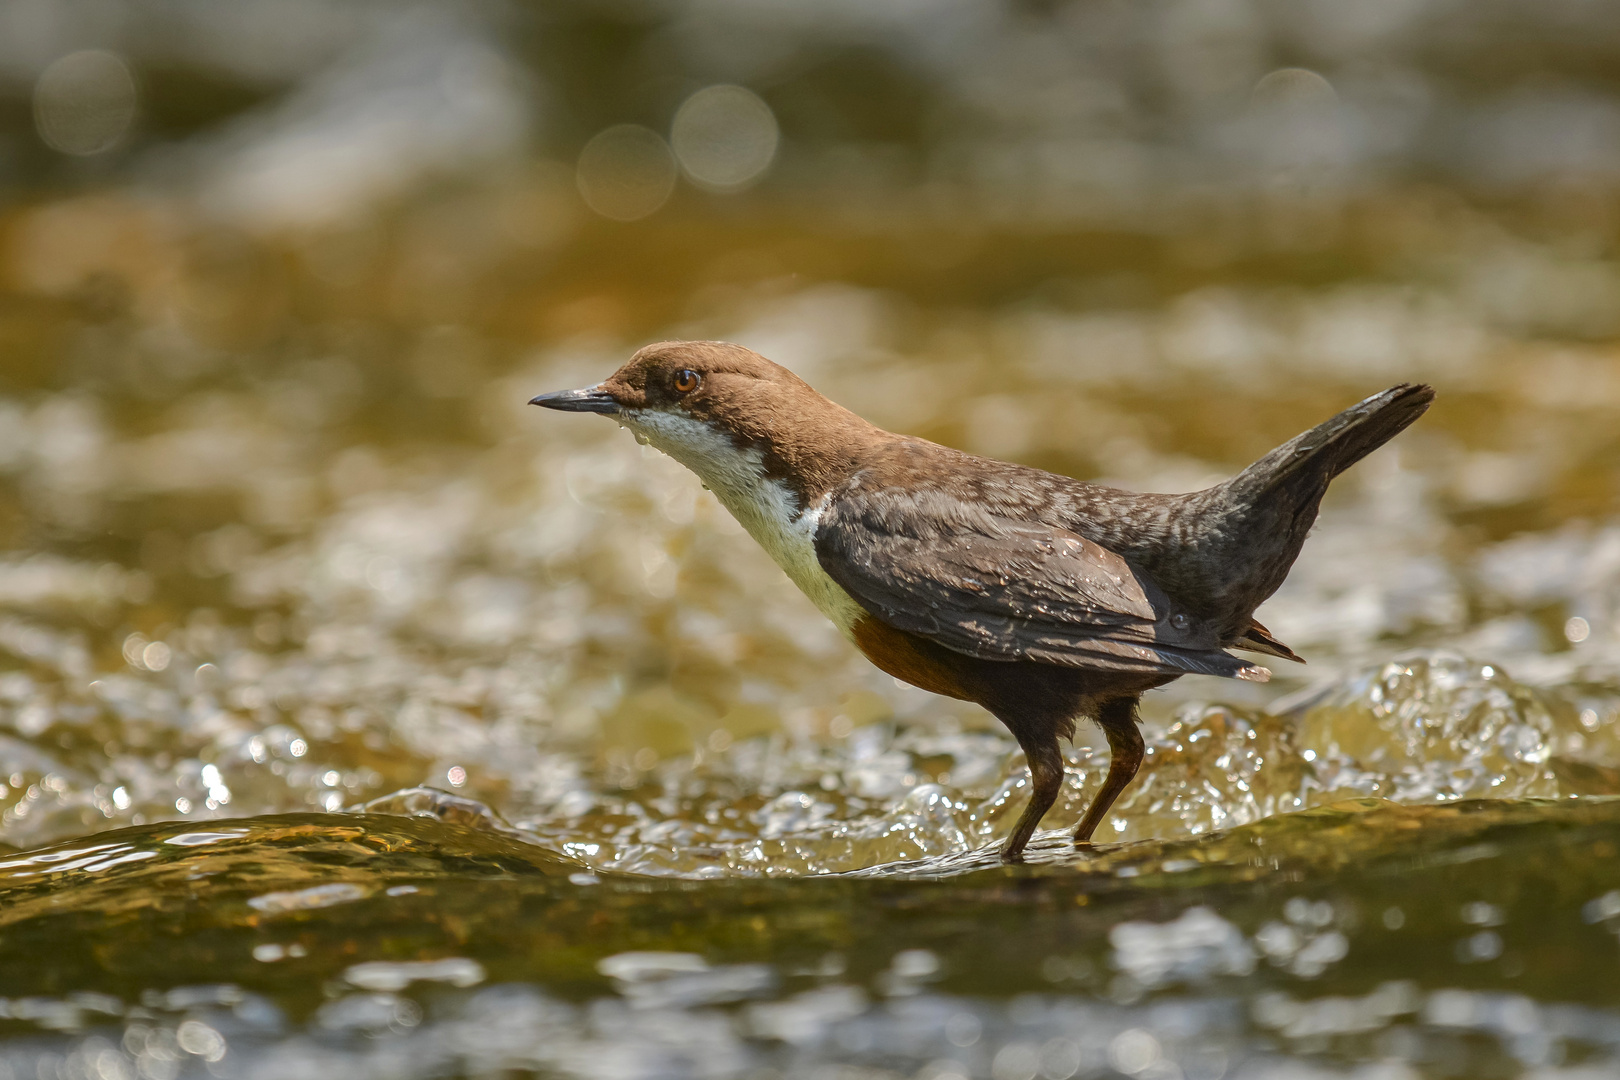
(765, 507)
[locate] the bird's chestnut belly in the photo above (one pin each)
(914, 659)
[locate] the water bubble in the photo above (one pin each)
(625, 173)
(84, 102)
(456, 775)
(725, 137)
(1577, 630)
(156, 656)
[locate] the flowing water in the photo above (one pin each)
(358, 720)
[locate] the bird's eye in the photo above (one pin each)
(686, 381)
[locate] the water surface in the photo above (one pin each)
(356, 719)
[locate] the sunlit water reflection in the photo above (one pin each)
(554, 638)
(1365, 934)
(588, 789)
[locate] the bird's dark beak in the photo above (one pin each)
(593, 399)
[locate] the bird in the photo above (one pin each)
(1044, 599)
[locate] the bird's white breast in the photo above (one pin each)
(765, 507)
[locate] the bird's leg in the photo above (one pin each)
(1046, 779)
(1118, 720)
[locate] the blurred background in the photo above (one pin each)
(278, 533)
(276, 279)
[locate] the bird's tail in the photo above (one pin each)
(1265, 511)
(1333, 446)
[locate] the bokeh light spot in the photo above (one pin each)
(626, 172)
(725, 137)
(84, 102)
(1294, 89)
(1298, 124)
(156, 656)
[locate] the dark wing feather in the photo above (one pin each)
(1258, 639)
(1000, 589)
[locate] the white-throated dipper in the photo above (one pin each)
(1043, 599)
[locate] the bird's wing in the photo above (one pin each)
(996, 588)
(1258, 639)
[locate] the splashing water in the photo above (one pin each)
(1423, 729)
(1258, 949)
(354, 720)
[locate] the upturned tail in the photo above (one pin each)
(1257, 521)
(1329, 448)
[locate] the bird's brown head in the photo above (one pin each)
(725, 412)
